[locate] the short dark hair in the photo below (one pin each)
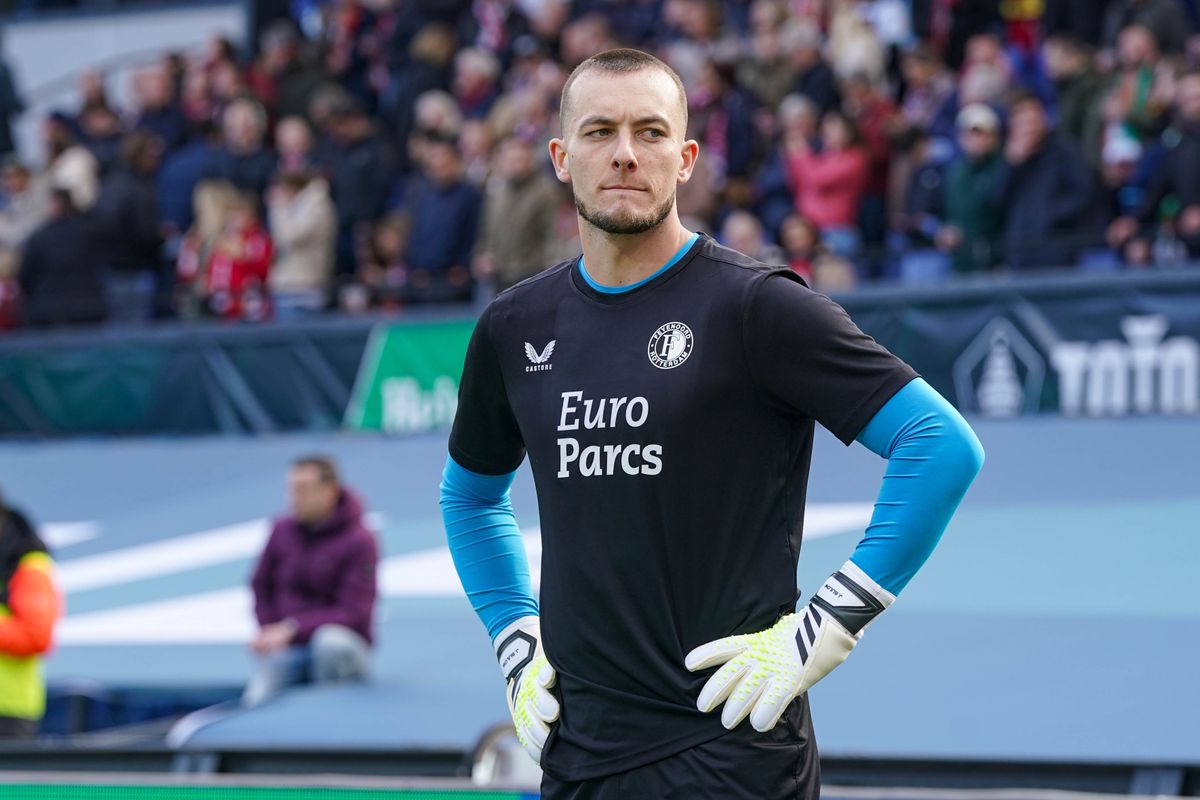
(620, 60)
(326, 470)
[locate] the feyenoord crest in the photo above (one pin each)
(670, 345)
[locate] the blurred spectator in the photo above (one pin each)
(294, 145)
(854, 44)
(743, 232)
(382, 274)
(814, 78)
(29, 607)
(239, 265)
(60, 279)
(176, 182)
(874, 114)
(127, 237)
(11, 106)
(830, 184)
(314, 587)
(25, 209)
(68, 165)
(1131, 106)
(360, 174)
(427, 68)
(974, 218)
(801, 241)
(766, 70)
(1164, 19)
(243, 159)
(98, 125)
(160, 114)
(1173, 185)
(477, 149)
(303, 225)
(476, 82)
(519, 207)
(1077, 89)
(1048, 194)
(443, 217)
(929, 90)
(775, 185)
(924, 211)
(281, 77)
(948, 24)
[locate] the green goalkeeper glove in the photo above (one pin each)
(763, 672)
(530, 678)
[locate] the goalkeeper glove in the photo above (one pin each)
(763, 672)
(530, 677)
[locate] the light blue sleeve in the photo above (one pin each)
(933, 456)
(486, 545)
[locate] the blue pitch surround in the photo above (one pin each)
(1055, 621)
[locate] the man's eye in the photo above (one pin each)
(600, 133)
(654, 134)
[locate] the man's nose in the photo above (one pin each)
(624, 157)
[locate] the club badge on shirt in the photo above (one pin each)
(670, 345)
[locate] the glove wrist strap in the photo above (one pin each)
(516, 645)
(852, 598)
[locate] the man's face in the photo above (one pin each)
(1029, 120)
(622, 149)
(978, 141)
(311, 499)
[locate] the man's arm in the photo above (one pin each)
(486, 545)
(933, 456)
(489, 556)
(33, 606)
(262, 583)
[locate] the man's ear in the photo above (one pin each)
(558, 157)
(689, 154)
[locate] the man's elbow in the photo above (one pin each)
(963, 453)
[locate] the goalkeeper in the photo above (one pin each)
(665, 389)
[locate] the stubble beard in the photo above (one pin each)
(625, 223)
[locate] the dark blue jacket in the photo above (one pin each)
(445, 224)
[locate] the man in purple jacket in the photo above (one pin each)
(314, 587)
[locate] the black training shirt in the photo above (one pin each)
(669, 429)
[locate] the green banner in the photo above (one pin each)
(408, 379)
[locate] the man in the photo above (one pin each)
(1174, 176)
(973, 218)
(519, 208)
(314, 587)
(60, 280)
(1047, 192)
(29, 606)
(127, 236)
(665, 388)
(443, 211)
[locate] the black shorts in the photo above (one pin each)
(744, 764)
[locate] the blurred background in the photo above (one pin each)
(233, 235)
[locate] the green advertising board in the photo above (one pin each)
(408, 380)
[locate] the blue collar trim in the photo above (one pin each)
(620, 289)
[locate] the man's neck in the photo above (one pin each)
(616, 260)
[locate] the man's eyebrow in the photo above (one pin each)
(652, 119)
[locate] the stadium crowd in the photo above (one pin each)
(388, 153)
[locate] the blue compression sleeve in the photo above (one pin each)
(486, 545)
(933, 455)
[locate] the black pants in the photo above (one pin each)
(780, 764)
(17, 728)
